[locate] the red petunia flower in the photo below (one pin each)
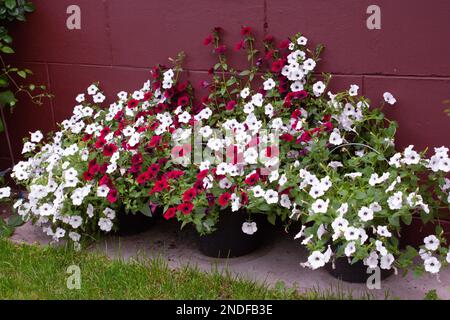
(136, 159)
(87, 137)
(105, 131)
(93, 168)
(143, 178)
(252, 179)
(284, 44)
(221, 49)
(170, 213)
(185, 208)
(244, 198)
(305, 137)
(100, 143)
(238, 46)
(268, 39)
(109, 150)
(224, 199)
(160, 185)
(189, 195)
(230, 105)
(87, 176)
(287, 137)
(133, 103)
(174, 174)
(183, 100)
(245, 31)
(112, 196)
(208, 40)
(277, 65)
(202, 174)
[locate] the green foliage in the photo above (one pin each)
(10, 86)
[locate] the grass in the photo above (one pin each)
(32, 272)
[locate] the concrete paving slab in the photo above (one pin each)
(276, 261)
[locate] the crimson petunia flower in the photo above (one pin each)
(183, 100)
(185, 208)
(109, 150)
(112, 196)
(245, 31)
(189, 195)
(239, 45)
(88, 176)
(174, 174)
(277, 65)
(100, 143)
(170, 213)
(224, 199)
(208, 40)
(143, 178)
(287, 137)
(133, 103)
(252, 179)
(230, 105)
(160, 185)
(284, 44)
(221, 49)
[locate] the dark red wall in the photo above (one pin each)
(120, 40)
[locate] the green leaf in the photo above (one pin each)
(22, 73)
(272, 218)
(15, 221)
(2, 128)
(7, 98)
(146, 211)
(6, 49)
(10, 4)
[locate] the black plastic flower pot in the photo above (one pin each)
(353, 273)
(129, 224)
(229, 241)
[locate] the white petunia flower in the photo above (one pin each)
(350, 249)
(269, 84)
(335, 138)
(320, 206)
(386, 261)
(432, 265)
(365, 214)
(36, 136)
(389, 98)
(431, 243)
(351, 233)
(105, 224)
(245, 93)
(249, 228)
(353, 91)
(318, 88)
(5, 192)
(383, 231)
(316, 260)
(258, 192)
(395, 202)
(302, 41)
(271, 196)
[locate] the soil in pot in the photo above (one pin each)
(228, 241)
(131, 224)
(353, 273)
